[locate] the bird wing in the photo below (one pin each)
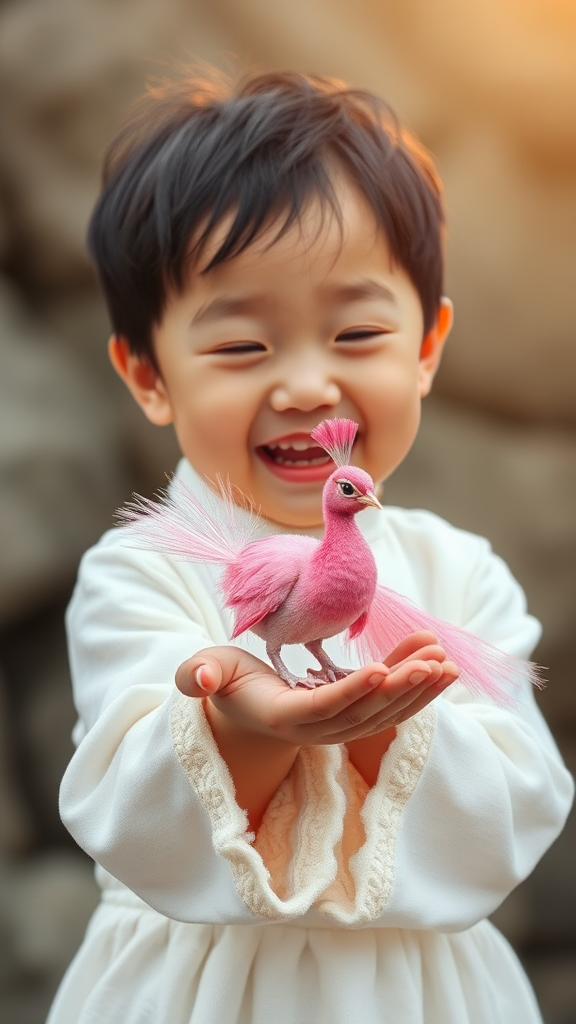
(484, 668)
(259, 581)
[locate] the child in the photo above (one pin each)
(272, 257)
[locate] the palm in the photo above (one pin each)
(244, 690)
(254, 689)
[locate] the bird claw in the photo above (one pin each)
(341, 673)
(329, 674)
(306, 683)
(317, 677)
(311, 680)
(294, 681)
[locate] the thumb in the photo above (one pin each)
(199, 676)
(207, 671)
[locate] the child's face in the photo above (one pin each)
(257, 352)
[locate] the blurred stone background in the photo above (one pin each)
(490, 88)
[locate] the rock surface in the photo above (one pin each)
(516, 485)
(59, 471)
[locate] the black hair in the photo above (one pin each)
(199, 150)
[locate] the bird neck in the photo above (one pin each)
(340, 531)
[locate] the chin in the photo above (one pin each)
(307, 518)
(292, 505)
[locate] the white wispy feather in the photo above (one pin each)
(212, 529)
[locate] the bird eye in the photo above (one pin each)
(347, 488)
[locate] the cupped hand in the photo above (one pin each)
(249, 694)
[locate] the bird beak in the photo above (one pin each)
(369, 499)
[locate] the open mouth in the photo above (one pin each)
(296, 453)
(296, 459)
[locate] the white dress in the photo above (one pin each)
(352, 906)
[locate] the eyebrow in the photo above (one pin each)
(217, 309)
(365, 289)
(223, 307)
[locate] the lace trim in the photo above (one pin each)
(342, 891)
(319, 826)
(274, 839)
(372, 867)
(316, 831)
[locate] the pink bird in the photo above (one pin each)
(292, 589)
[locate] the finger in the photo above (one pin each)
(408, 695)
(400, 709)
(357, 713)
(422, 699)
(381, 709)
(199, 677)
(432, 652)
(450, 670)
(409, 645)
(324, 702)
(405, 680)
(211, 669)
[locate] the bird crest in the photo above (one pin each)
(336, 437)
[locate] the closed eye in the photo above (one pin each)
(240, 348)
(360, 334)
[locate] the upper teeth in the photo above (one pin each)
(299, 446)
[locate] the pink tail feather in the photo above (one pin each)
(180, 525)
(484, 668)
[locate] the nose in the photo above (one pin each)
(305, 386)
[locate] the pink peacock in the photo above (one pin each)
(294, 589)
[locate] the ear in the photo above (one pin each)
(433, 345)
(142, 380)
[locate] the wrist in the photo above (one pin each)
(257, 763)
(367, 752)
(230, 730)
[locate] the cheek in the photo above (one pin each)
(212, 424)
(392, 418)
(389, 399)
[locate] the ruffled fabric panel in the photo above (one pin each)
(137, 967)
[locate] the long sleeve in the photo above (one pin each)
(125, 798)
(147, 793)
(468, 798)
(469, 795)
